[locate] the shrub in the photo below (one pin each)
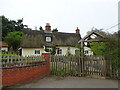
(9, 53)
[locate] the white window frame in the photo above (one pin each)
(59, 51)
(37, 51)
(86, 52)
(48, 39)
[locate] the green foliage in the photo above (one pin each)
(47, 50)
(110, 49)
(58, 73)
(19, 25)
(113, 49)
(9, 53)
(78, 52)
(115, 58)
(55, 30)
(78, 46)
(52, 51)
(11, 26)
(40, 28)
(14, 39)
(7, 26)
(98, 48)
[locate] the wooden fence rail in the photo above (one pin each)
(19, 61)
(92, 65)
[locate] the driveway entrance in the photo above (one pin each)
(69, 82)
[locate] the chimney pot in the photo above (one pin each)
(48, 27)
(77, 30)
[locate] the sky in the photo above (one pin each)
(65, 15)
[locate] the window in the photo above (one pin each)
(48, 39)
(59, 51)
(85, 52)
(37, 51)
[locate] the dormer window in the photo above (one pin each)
(48, 39)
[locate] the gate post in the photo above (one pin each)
(82, 58)
(47, 59)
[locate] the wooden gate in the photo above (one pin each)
(73, 65)
(95, 65)
(66, 65)
(89, 66)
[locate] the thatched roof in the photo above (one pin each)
(34, 38)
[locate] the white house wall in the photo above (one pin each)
(4, 48)
(31, 51)
(89, 51)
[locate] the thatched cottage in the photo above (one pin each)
(36, 42)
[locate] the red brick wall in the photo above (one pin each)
(14, 76)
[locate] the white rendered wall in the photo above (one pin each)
(31, 51)
(4, 48)
(89, 51)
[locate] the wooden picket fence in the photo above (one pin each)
(20, 61)
(75, 66)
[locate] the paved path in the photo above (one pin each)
(70, 82)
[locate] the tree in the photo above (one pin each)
(14, 39)
(7, 26)
(11, 26)
(40, 28)
(55, 30)
(19, 25)
(110, 49)
(117, 33)
(98, 48)
(78, 51)
(113, 49)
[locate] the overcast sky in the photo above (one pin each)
(65, 15)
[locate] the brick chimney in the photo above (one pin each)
(47, 27)
(77, 30)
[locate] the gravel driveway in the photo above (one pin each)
(69, 82)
